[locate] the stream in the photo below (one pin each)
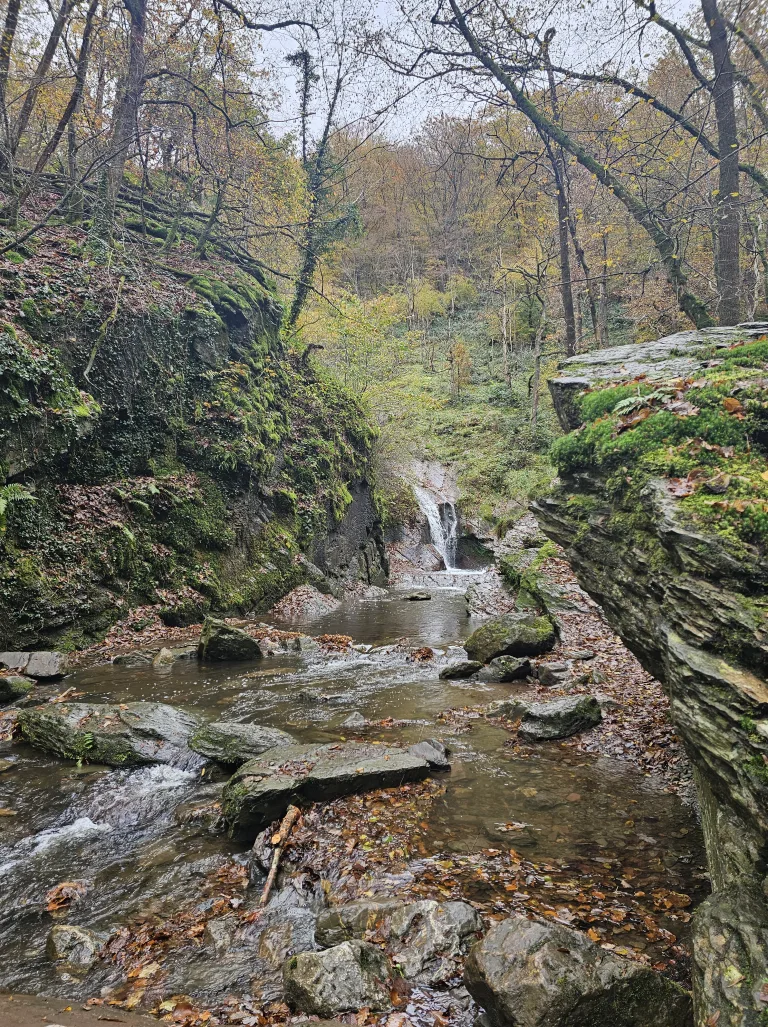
(118, 830)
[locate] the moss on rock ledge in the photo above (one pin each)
(179, 455)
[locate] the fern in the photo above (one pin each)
(12, 494)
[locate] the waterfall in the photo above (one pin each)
(443, 524)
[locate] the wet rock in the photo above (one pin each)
(560, 719)
(14, 686)
(428, 938)
(512, 634)
(417, 597)
(133, 660)
(354, 720)
(433, 751)
(347, 977)
(120, 735)
(353, 920)
(506, 668)
(527, 974)
(220, 933)
(424, 938)
(306, 644)
(164, 658)
(730, 958)
(553, 675)
(262, 789)
(75, 946)
(510, 709)
(220, 641)
(460, 669)
(205, 815)
(41, 664)
(234, 744)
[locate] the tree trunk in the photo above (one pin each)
(728, 201)
(537, 365)
(124, 130)
(6, 45)
(602, 308)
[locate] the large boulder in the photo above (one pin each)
(512, 634)
(730, 958)
(14, 686)
(120, 735)
(560, 718)
(234, 744)
(263, 789)
(527, 974)
(77, 947)
(219, 641)
(345, 978)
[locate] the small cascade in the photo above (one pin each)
(443, 524)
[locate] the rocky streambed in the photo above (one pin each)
(135, 797)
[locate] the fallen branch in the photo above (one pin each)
(279, 840)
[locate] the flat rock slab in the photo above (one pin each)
(512, 634)
(263, 789)
(526, 974)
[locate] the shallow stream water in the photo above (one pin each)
(115, 829)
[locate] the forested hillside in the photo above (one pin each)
(384, 513)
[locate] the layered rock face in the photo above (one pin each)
(663, 512)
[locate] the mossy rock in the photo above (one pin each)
(512, 634)
(14, 686)
(235, 744)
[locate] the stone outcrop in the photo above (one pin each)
(45, 665)
(511, 634)
(526, 974)
(220, 641)
(76, 947)
(263, 789)
(662, 513)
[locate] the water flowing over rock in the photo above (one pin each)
(690, 601)
(349, 976)
(527, 974)
(512, 634)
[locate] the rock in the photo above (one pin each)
(164, 658)
(424, 938)
(348, 977)
(607, 702)
(512, 634)
(552, 675)
(583, 654)
(234, 743)
(41, 664)
(506, 668)
(510, 709)
(560, 719)
(433, 751)
(305, 644)
(417, 597)
(262, 789)
(354, 720)
(428, 937)
(133, 660)
(6, 765)
(14, 686)
(219, 934)
(120, 735)
(75, 946)
(527, 974)
(460, 669)
(14, 661)
(220, 641)
(353, 920)
(730, 957)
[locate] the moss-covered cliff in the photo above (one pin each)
(177, 454)
(663, 510)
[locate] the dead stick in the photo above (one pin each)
(280, 841)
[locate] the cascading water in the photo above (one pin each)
(443, 524)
